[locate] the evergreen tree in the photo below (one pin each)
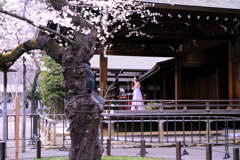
(52, 91)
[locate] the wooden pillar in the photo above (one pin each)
(217, 85)
(54, 134)
(164, 90)
(103, 75)
(230, 74)
(177, 79)
(154, 90)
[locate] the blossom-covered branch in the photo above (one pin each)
(40, 26)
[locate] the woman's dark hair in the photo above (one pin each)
(137, 77)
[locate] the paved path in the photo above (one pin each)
(168, 153)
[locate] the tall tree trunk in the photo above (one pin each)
(82, 111)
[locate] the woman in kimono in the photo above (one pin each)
(137, 103)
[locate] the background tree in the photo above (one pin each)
(34, 90)
(52, 91)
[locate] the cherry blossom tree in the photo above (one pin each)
(70, 31)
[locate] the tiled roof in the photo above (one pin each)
(233, 4)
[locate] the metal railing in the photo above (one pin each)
(170, 129)
(194, 122)
(165, 130)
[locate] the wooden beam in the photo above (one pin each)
(191, 8)
(126, 46)
(103, 75)
(201, 45)
(171, 37)
(230, 73)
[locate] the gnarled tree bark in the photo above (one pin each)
(81, 109)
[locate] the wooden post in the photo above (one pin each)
(24, 107)
(38, 149)
(161, 129)
(178, 150)
(54, 134)
(17, 107)
(110, 129)
(230, 74)
(143, 148)
(235, 153)
(109, 147)
(208, 151)
(103, 75)
(49, 131)
(208, 131)
(2, 150)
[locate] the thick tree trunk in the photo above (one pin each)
(82, 103)
(83, 112)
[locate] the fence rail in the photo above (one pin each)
(174, 106)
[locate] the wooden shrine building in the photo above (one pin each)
(203, 41)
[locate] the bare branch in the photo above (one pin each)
(17, 16)
(25, 7)
(40, 26)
